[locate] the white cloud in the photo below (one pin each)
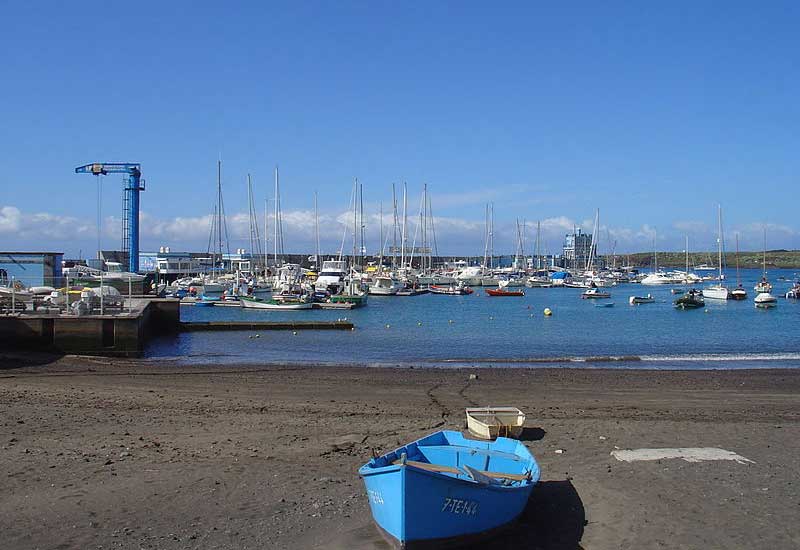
(42, 225)
(454, 235)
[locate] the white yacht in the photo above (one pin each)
(658, 278)
(470, 276)
(384, 285)
(332, 276)
(765, 300)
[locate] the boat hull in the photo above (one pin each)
(495, 292)
(249, 303)
(416, 508)
(716, 293)
(492, 422)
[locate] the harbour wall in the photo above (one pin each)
(108, 335)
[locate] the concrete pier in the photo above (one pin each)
(267, 325)
(120, 335)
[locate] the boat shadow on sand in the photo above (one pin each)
(21, 359)
(553, 519)
(532, 434)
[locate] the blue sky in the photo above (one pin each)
(653, 113)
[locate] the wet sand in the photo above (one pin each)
(102, 453)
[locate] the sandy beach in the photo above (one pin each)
(102, 453)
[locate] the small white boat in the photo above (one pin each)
(384, 285)
(594, 294)
(493, 422)
(633, 300)
(765, 300)
(255, 303)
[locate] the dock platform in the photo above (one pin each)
(265, 325)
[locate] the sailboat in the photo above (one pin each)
(738, 293)
(764, 285)
(764, 298)
(718, 291)
(353, 292)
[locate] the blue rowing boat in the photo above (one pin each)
(445, 488)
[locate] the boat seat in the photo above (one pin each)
(458, 472)
(470, 451)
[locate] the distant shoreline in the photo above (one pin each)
(776, 259)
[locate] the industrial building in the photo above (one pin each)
(31, 268)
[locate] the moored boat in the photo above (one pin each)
(594, 294)
(794, 292)
(504, 292)
(445, 488)
(633, 300)
(738, 293)
(493, 422)
(765, 300)
(691, 300)
(452, 290)
(384, 285)
(247, 302)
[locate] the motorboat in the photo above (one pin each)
(445, 489)
(411, 291)
(659, 278)
(352, 294)
(459, 289)
(247, 302)
(332, 277)
(794, 292)
(384, 285)
(738, 293)
(493, 422)
(504, 292)
(635, 300)
(594, 294)
(765, 300)
(470, 276)
(693, 299)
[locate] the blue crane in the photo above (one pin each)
(130, 219)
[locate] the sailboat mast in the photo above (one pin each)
(276, 220)
(764, 264)
(316, 232)
(394, 229)
(738, 279)
(486, 237)
(361, 249)
(380, 254)
(355, 221)
(219, 209)
(266, 235)
(405, 223)
(491, 235)
(655, 249)
(538, 245)
(687, 257)
(719, 240)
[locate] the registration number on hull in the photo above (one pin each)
(460, 506)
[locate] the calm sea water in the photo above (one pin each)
(476, 330)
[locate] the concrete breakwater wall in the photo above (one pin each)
(111, 335)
